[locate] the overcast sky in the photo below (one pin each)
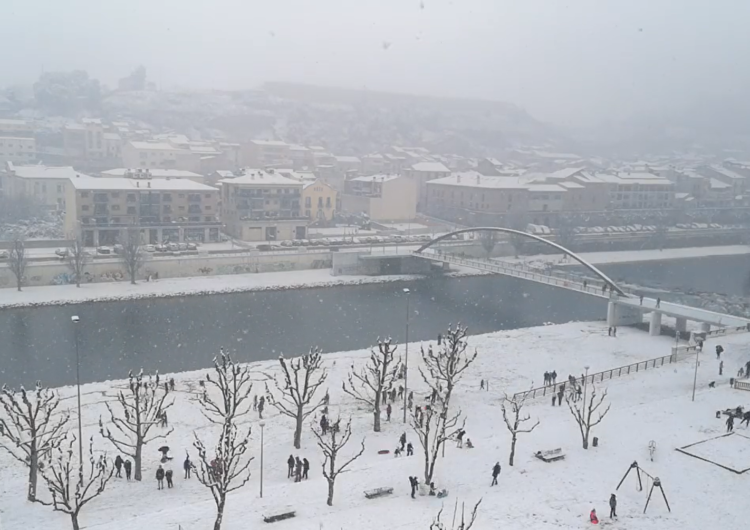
(566, 62)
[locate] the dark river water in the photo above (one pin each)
(178, 334)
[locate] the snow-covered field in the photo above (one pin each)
(651, 405)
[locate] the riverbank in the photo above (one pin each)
(651, 405)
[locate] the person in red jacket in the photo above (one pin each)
(592, 516)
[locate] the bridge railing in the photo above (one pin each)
(599, 376)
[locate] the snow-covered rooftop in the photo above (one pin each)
(258, 177)
(475, 179)
(47, 172)
(375, 178)
(154, 146)
(127, 184)
(155, 173)
(431, 167)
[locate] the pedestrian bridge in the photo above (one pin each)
(624, 306)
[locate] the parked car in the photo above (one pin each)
(192, 246)
(173, 247)
(150, 248)
(62, 252)
(4, 254)
(104, 250)
(161, 248)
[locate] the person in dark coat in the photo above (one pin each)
(554, 377)
(305, 468)
(388, 411)
(495, 472)
(414, 483)
(187, 465)
(164, 422)
(297, 469)
(554, 399)
(171, 383)
(460, 438)
(160, 477)
(324, 424)
(658, 302)
(290, 467)
(118, 466)
(402, 441)
(719, 351)
(612, 506)
(409, 449)
(261, 406)
(128, 468)
(730, 423)
(168, 475)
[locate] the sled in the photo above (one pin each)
(550, 456)
(378, 492)
(384, 451)
(284, 513)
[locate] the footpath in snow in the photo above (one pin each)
(175, 287)
(654, 405)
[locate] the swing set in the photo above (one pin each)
(656, 483)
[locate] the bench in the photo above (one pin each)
(550, 456)
(279, 516)
(378, 492)
(741, 385)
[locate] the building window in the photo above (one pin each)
(131, 197)
(209, 219)
(328, 202)
(308, 202)
(84, 195)
(59, 188)
(115, 207)
(115, 194)
(85, 208)
(131, 210)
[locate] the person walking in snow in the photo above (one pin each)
(554, 399)
(730, 423)
(609, 331)
(578, 393)
(261, 406)
(402, 440)
(290, 466)
(721, 367)
(400, 391)
(413, 482)
(495, 472)
(255, 402)
(546, 378)
(305, 468)
(481, 384)
(186, 466)
(460, 438)
(324, 424)
(128, 468)
(160, 477)
(719, 351)
(409, 449)
(297, 469)
(118, 466)
(410, 400)
(560, 395)
(554, 377)
(612, 506)
(614, 331)
(658, 302)
(388, 411)
(164, 422)
(168, 475)
(171, 384)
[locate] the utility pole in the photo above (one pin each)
(406, 355)
(76, 320)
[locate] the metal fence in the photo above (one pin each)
(599, 376)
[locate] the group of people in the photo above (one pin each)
(326, 425)
(550, 378)
(121, 463)
(612, 510)
(162, 474)
(297, 469)
(403, 445)
(612, 331)
(259, 405)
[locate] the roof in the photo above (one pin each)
(634, 178)
(154, 146)
(111, 136)
(721, 170)
(375, 178)
(494, 161)
(314, 182)
(545, 188)
(716, 184)
(258, 177)
(155, 173)
(44, 172)
(127, 184)
(351, 159)
(278, 143)
(475, 179)
(434, 167)
(572, 185)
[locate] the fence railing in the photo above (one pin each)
(598, 377)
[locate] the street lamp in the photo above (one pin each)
(262, 428)
(584, 385)
(407, 292)
(76, 320)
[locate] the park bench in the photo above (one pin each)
(284, 513)
(378, 492)
(550, 456)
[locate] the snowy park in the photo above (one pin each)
(650, 415)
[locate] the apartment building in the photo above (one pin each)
(16, 128)
(319, 200)
(46, 185)
(733, 177)
(421, 173)
(156, 155)
(166, 210)
(85, 140)
(381, 197)
(156, 173)
(17, 150)
(266, 154)
(470, 190)
(584, 191)
(638, 191)
(262, 206)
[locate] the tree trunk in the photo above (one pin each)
(586, 440)
(18, 283)
(74, 520)
(219, 513)
(33, 473)
(137, 460)
(298, 429)
(329, 502)
(512, 449)
(376, 421)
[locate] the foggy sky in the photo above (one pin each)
(567, 62)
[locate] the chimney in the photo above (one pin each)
(149, 184)
(137, 184)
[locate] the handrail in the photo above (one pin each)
(601, 376)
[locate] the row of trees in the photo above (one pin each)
(131, 255)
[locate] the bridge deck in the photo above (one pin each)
(572, 283)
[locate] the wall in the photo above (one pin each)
(58, 273)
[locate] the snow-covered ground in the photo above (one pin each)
(651, 405)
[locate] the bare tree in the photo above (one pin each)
(515, 423)
(225, 401)
(132, 254)
(373, 380)
(77, 258)
(31, 428)
(434, 428)
(488, 239)
(331, 443)
(444, 366)
(72, 484)
(463, 524)
(17, 261)
(143, 405)
(301, 379)
(583, 413)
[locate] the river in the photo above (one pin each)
(178, 334)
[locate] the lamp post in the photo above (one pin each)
(76, 320)
(262, 429)
(584, 385)
(407, 292)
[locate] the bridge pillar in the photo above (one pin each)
(622, 315)
(680, 324)
(654, 327)
(705, 327)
